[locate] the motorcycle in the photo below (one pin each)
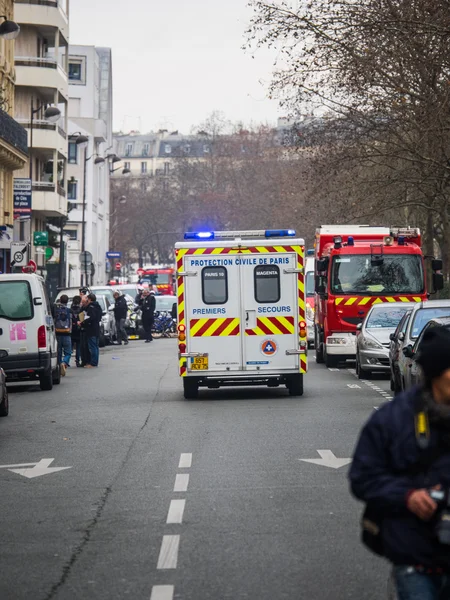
(164, 325)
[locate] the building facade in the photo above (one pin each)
(13, 141)
(41, 60)
(90, 115)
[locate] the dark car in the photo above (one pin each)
(397, 338)
(4, 404)
(411, 352)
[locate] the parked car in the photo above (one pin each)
(108, 323)
(27, 330)
(414, 373)
(373, 337)
(396, 342)
(4, 402)
(421, 314)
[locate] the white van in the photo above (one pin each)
(241, 310)
(27, 331)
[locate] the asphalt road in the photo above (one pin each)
(164, 498)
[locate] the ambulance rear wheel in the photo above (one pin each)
(295, 385)
(190, 388)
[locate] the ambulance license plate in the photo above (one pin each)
(199, 363)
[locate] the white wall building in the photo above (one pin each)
(90, 114)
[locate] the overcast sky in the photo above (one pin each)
(176, 62)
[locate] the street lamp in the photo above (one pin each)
(82, 141)
(9, 30)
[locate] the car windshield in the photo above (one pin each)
(102, 301)
(310, 283)
(399, 274)
(165, 302)
(424, 315)
(388, 317)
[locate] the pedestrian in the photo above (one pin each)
(120, 315)
(148, 305)
(138, 297)
(401, 470)
(63, 330)
(91, 327)
(76, 332)
(84, 348)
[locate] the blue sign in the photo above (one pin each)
(22, 197)
(114, 254)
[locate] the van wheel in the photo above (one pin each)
(190, 388)
(4, 405)
(295, 385)
(46, 381)
(331, 362)
(57, 375)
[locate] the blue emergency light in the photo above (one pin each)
(280, 233)
(350, 241)
(199, 235)
(310, 252)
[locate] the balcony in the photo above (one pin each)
(32, 71)
(46, 13)
(49, 199)
(13, 142)
(48, 136)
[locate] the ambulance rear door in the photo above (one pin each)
(271, 313)
(213, 316)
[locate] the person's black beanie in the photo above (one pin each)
(434, 352)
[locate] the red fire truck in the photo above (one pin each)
(357, 266)
(162, 278)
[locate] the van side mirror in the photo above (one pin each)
(437, 264)
(408, 351)
(321, 285)
(392, 337)
(438, 282)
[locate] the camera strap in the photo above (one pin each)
(421, 421)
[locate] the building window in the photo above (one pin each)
(206, 149)
(72, 190)
(143, 168)
(72, 234)
(129, 149)
(187, 149)
(127, 165)
(146, 150)
(75, 71)
(168, 149)
(73, 153)
(166, 168)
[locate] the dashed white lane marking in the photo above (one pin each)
(162, 592)
(354, 386)
(168, 555)
(176, 510)
(373, 386)
(181, 482)
(185, 461)
(332, 370)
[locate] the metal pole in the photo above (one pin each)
(83, 222)
(31, 142)
(62, 257)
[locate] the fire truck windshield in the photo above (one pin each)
(155, 278)
(399, 274)
(310, 283)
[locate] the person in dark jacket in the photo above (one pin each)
(148, 305)
(84, 348)
(76, 332)
(402, 455)
(120, 315)
(91, 327)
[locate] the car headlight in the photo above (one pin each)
(309, 312)
(371, 343)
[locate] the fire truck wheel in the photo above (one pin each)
(295, 385)
(190, 388)
(319, 349)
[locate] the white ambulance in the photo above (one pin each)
(241, 310)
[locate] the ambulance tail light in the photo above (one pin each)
(182, 348)
(181, 328)
(303, 331)
(182, 337)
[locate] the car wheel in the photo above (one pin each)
(57, 375)
(190, 388)
(295, 385)
(360, 371)
(102, 340)
(4, 404)
(46, 381)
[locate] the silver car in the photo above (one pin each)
(421, 314)
(374, 337)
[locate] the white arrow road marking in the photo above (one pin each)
(37, 468)
(354, 386)
(328, 459)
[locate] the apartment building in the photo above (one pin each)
(41, 101)
(13, 138)
(90, 116)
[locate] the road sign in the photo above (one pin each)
(328, 459)
(19, 254)
(22, 197)
(40, 238)
(118, 266)
(35, 469)
(31, 267)
(113, 254)
(85, 259)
